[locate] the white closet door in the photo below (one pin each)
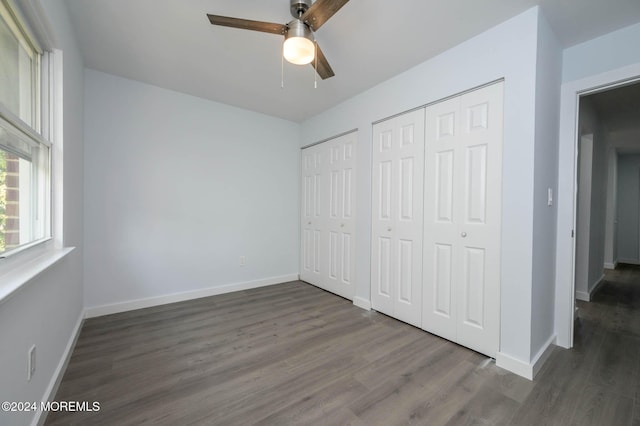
(313, 214)
(397, 175)
(328, 215)
(341, 216)
(463, 185)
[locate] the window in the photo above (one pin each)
(24, 153)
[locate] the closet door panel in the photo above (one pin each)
(441, 214)
(383, 201)
(312, 220)
(479, 302)
(409, 216)
(398, 179)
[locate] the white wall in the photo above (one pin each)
(507, 51)
(179, 188)
(608, 52)
(549, 66)
(47, 310)
(628, 208)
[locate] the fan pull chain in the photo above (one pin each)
(282, 68)
(315, 74)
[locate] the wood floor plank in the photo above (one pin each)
(487, 407)
(617, 366)
(317, 406)
(390, 403)
(454, 390)
(402, 361)
(507, 384)
(554, 398)
(636, 404)
(599, 406)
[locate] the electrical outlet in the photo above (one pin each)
(31, 362)
(243, 260)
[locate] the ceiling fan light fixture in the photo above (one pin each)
(299, 47)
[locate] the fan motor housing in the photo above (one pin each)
(298, 7)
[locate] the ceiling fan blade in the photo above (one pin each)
(323, 68)
(321, 11)
(247, 24)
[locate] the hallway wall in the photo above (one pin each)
(591, 238)
(629, 208)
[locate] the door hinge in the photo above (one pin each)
(572, 233)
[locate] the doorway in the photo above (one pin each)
(590, 107)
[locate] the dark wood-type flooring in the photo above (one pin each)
(294, 354)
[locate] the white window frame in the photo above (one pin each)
(18, 269)
(42, 116)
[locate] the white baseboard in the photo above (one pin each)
(52, 389)
(516, 366)
(114, 308)
(608, 265)
(583, 295)
(629, 261)
(543, 354)
(595, 286)
(586, 296)
(362, 303)
(528, 370)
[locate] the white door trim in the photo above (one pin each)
(568, 139)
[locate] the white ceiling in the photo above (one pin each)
(170, 43)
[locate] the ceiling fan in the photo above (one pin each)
(299, 47)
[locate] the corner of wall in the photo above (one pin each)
(530, 369)
(548, 80)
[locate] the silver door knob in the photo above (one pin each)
(463, 235)
(389, 229)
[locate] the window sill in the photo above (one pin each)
(22, 248)
(17, 275)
